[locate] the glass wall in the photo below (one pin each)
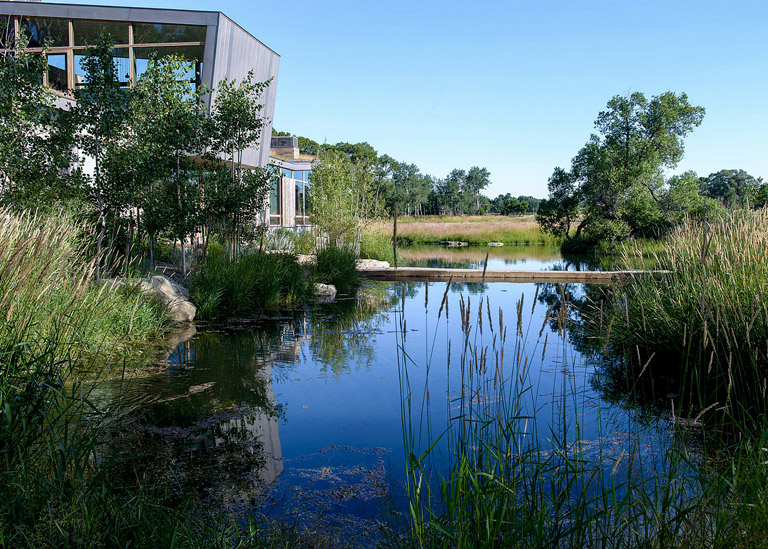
(57, 71)
(274, 202)
(43, 31)
(135, 45)
(87, 32)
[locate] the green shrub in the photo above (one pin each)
(376, 245)
(338, 266)
(252, 282)
(304, 243)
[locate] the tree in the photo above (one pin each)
(615, 184)
(342, 197)
(733, 188)
(100, 117)
(236, 126)
(169, 130)
(476, 180)
(35, 154)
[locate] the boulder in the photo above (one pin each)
(495, 244)
(325, 291)
(363, 264)
(174, 297)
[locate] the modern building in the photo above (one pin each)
(290, 200)
(217, 47)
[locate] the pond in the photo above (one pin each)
(303, 413)
(502, 258)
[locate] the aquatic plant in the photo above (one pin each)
(337, 265)
(249, 283)
(703, 320)
(512, 480)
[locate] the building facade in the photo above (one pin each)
(216, 46)
(290, 200)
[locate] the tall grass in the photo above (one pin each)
(249, 283)
(478, 230)
(54, 484)
(511, 482)
(337, 265)
(705, 321)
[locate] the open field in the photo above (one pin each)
(475, 229)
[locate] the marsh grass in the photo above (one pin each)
(511, 482)
(472, 229)
(249, 283)
(706, 320)
(337, 265)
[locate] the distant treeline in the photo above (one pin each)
(415, 193)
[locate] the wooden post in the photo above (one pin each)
(394, 236)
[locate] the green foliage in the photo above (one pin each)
(733, 188)
(35, 152)
(342, 197)
(615, 189)
(376, 245)
(337, 265)
(236, 123)
(249, 284)
(304, 243)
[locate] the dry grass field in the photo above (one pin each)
(475, 229)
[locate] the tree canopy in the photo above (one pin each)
(615, 187)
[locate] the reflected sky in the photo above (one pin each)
(321, 389)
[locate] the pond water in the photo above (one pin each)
(502, 258)
(301, 413)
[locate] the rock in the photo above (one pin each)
(495, 244)
(363, 264)
(174, 297)
(454, 243)
(325, 291)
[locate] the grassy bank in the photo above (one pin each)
(57, 482)
(479, 229)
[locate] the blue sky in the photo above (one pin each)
(511, 86)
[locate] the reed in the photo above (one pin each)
(511, 482)
(707, 316)
(249, 283)
(337, 265)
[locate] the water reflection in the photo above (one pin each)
(304, 406)
(504, 258)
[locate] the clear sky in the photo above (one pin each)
(513, 86)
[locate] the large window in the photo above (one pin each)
(120, 57)
(274, 202)
(155, 33)
(87, 32)
(57, 71)
(192, 54)
(43, 31)
(136, 44)
(303, 202)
